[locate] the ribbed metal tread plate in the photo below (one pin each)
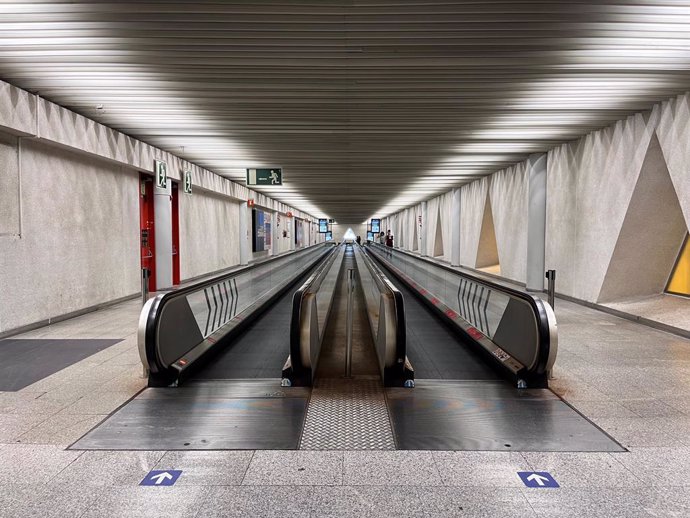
(227, 415)
(485, 416)
(347, 414)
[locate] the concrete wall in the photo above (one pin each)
(69, 212)
(80, 236)
(9, 186)
(209, 233)
(590, 186)
(610, 233)
(508, 191)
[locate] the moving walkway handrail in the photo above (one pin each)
(180, 327)
(386, 315)
(517, 329)
(308, 323)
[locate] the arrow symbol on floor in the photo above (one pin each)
(162, 477)
(537, 478)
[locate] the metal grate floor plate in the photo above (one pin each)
(347, 415)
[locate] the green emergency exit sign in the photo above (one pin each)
(160, 169)
(273, 176)
(187, 175)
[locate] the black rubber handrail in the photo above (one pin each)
(401, 372)
(298, 373)
(538, 372)
(156, 368)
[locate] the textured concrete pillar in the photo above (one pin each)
(245, 250)
(162, 209)
(291, 227)
(422, 230)
(455, 229)
(536, 222)
(274, 234)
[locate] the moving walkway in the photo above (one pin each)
(461, 363)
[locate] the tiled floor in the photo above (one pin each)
(631, 380)
(671, 310)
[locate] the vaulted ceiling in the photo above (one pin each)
(369, 106)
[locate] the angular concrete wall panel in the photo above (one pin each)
(509, 190)
(652, 234)
(487, 251)
(473, 199)
(674, 138)
(589, 186)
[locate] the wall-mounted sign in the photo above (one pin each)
(250, 202)
(272, 176)
(370, 236)
(160, 169)
(323, 226)
(187, 175)
(376, 225)
(329, 236)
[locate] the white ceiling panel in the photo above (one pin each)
(365, 104)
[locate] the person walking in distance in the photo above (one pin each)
(389, 239)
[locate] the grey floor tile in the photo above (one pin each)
(672, 501)
(99, 403)
(295, 468)
(650, 408)
(31, 403)
(14, 425)
(593, 502)
(677, 427)
(482, 469)
(475, 502)
(394, 468)
(207, 468)
(109, 468)
(680, 403)
(638, 432)
(573, 470)
(659, 466)
(60, 429)
(144, 502)
(39, 501)
(346, 501)
(601, 409)
(33, 464)
(263, 501)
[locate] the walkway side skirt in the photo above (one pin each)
(551, 288)
(145, 272)
(350, 294)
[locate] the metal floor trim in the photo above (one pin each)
(347, 414)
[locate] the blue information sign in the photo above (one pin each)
(323, 226)
(537, 479)
(376, 226)
(161, 478)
